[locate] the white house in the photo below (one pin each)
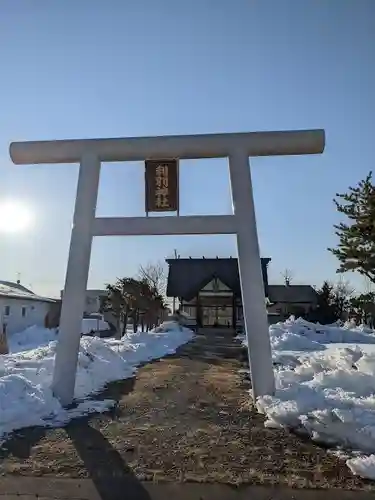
(92, 301)
(21, 308)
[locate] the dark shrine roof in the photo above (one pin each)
(292, 293)
(187, 276)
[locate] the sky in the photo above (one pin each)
(156, 67)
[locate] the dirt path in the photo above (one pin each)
(187, 418)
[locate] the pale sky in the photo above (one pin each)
(102, 69)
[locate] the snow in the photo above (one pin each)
(325, 387)
(26, 373)
(325, 380)
(34, 336)
(17, 291)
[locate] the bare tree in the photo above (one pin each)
(343, 288)
(155, 275)
(342, 293)
(287, 274)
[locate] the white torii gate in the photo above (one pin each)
(91, 152)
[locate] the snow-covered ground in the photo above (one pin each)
(325, 387)
(26, 398)
(35, 336)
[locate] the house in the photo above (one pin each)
(209, 290)
(285, 300)
(93, 300)
(21, 308)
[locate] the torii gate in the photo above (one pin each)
(91, 152)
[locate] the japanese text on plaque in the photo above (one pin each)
(161, 185)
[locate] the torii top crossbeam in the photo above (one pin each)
(292, 142)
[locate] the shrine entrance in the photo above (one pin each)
(217, 316)
(161, 155)
(216, 305)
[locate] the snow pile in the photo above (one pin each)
(325, 386)
(32, 337)
(284, 339)
(301, 335)
(295, 335)
(35, 336)
(330, 396)
(300, 330)
(26, 398)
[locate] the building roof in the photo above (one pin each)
(187, 276)
(18, 291)
(292, 293)
(91, 291)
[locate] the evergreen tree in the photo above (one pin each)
(356, 247)
(130, 298)
(325, 310)
(342, 292)
(363, 307)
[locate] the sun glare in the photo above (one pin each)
(14, 217)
